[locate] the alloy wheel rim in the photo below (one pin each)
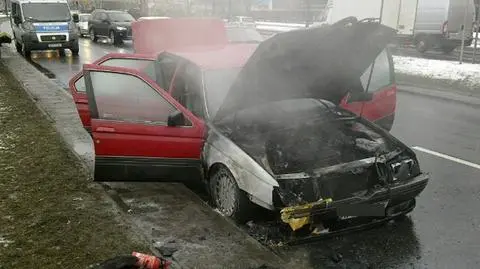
(225, 194)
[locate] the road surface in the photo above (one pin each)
(443, 231)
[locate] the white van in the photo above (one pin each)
(43, 25)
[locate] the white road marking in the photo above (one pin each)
(447, 157)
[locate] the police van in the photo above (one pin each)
(43, 25)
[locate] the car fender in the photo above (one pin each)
(248, 174)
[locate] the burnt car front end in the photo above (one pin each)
(328, 163)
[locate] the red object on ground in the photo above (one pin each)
(150, 261)
(156, 35)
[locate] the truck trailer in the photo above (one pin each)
(427, 24)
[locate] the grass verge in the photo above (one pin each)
(51, 214)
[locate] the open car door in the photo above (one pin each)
(140, 133)
(77, 83)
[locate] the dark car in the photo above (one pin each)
(112, 24)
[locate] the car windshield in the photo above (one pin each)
(121, 17)
(243, 35)
(217, 83)
(46, 12)
(84, 18)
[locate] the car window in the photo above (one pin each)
(166, 67)
(121, 17)
(84, 18)
(128, 63)
(187, 89)
(217, 85)
(46, 11)
(80, 85)
(102, 16)
(124, 97)
(381, 75)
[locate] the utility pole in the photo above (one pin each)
(465, 12)
(477, 24)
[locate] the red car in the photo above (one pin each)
(260, 124)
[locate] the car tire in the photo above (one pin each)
(227, 196)
(18, 46)
(26, 51)
(422, 44)
(114, 39)
(75, 51)
(93, 37)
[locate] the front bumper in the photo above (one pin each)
(396, 194)
(32, 42)
(124, 34)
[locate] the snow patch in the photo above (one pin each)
(467, 73)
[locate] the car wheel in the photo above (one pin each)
(227, 197)
(26, 51)
(18, 46)
(74, 51)
(114, 39)
(422, 44)
(93, 37)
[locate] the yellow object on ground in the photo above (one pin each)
(296, 223)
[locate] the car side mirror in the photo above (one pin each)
(360, 97)
(17, 20)
(176, 118)
(75, 18)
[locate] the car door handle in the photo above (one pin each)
(105, 129)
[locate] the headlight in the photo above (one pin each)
(28, 26)
(120, 28)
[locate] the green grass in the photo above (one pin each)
(51, 214)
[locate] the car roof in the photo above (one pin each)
(217, 57)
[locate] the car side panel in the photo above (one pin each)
(249, 175)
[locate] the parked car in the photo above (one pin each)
(83, 24)
(112, 24)
(259, 125)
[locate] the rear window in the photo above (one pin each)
(84, 18)
(382, 74)
(127, 63)
(121, 17)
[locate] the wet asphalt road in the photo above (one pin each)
(443, 231)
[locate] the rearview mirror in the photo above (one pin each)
(360, 97)
(75, 18)
(176, 118)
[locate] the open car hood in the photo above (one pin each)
(319, 62)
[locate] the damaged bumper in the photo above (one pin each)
(390, 197)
